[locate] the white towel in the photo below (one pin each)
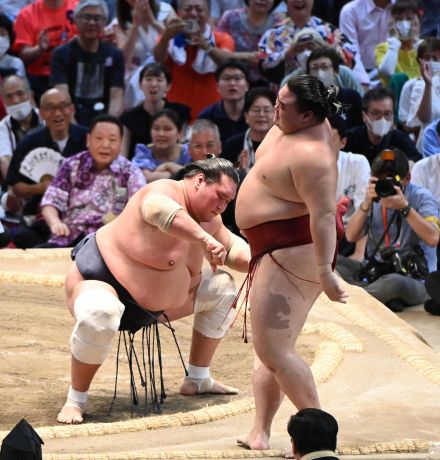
(202, 63)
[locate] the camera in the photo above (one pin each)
(388, 175)
(391, 263)
(191, 26)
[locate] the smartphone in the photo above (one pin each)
(191, 26)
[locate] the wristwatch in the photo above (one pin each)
(405, 211)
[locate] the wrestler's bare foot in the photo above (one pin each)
(71, 414)
(254, 442)
(190, 387)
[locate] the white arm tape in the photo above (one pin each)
(159, 211)
(236, 245)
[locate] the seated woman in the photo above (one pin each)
(420, 98)
(154, 82)
(165, 155)
(9, 65)
(137, 28)
(246, 26)
(397, 55)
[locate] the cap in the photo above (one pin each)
(84, 3)
(308, 34)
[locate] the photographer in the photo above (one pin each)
(397, 216)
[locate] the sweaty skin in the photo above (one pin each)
(294, 174)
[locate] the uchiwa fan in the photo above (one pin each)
(40, 162)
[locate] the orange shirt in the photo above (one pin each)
(36, 17)
(191, 88)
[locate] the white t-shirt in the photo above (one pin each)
(426, 172)
(354, 172)
(409, 103)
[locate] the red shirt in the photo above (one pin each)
(36, 17)
(194, 89)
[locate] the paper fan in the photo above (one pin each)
(39, 162)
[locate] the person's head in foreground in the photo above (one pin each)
(210, 186)
(313, 430)
(302, 102)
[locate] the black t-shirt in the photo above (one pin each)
(90, 76)
(234, 145)
(358, 142)
(138, 121)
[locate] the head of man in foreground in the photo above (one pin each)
(313, 431)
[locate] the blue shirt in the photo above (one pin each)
(422, 200)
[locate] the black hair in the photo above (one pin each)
(106, 118)
(402, 6)
(275, 4)
(328, 52)
(232, 64)
(437, 129)
(213, 169)
(312, 95)
(400, 164)
(6, 23)
(376, 94)
(313, 430)
(427, 45)
(338, 123)
(123, 12)
(255, 93)
(155, 69)
(171, 115)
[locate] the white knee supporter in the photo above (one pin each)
(98, 314)
(212, 309)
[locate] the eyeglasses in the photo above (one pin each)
(264, 110)
(52, 108)
(377, 114)
(229, 78)
(96, 18)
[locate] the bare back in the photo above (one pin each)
(269, 191)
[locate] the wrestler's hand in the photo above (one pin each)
(331, 285)
(215, 251)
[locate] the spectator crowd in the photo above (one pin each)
(99, 97)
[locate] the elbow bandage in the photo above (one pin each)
(98, 314)
(236, 245)
(159, 211)
(212, 308)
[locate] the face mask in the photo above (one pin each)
(20, 111)
(302, 58)
(435, 67)
(4, 45)
(403, 29)
(380, 127)
(326, 76)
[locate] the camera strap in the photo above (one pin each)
(385, 233)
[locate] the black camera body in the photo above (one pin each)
(385, 187)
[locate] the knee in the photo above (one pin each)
(274, 358)
(213, 314)
(98, 315)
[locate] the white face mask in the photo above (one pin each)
(380, 127)
(326, 76)
(403, 29)
(4, 45)
(435, 67)
(302, 58)
(20, 111)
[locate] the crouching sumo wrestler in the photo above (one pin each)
(148, 261)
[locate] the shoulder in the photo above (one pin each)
(211, 110)
(223, 39)
(78, 131)
(167, 187)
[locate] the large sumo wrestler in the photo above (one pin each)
(286, 207)
(148, 261)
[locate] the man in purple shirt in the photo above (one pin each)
(92, 187)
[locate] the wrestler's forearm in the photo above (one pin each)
(241, 263)
(323, 230)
